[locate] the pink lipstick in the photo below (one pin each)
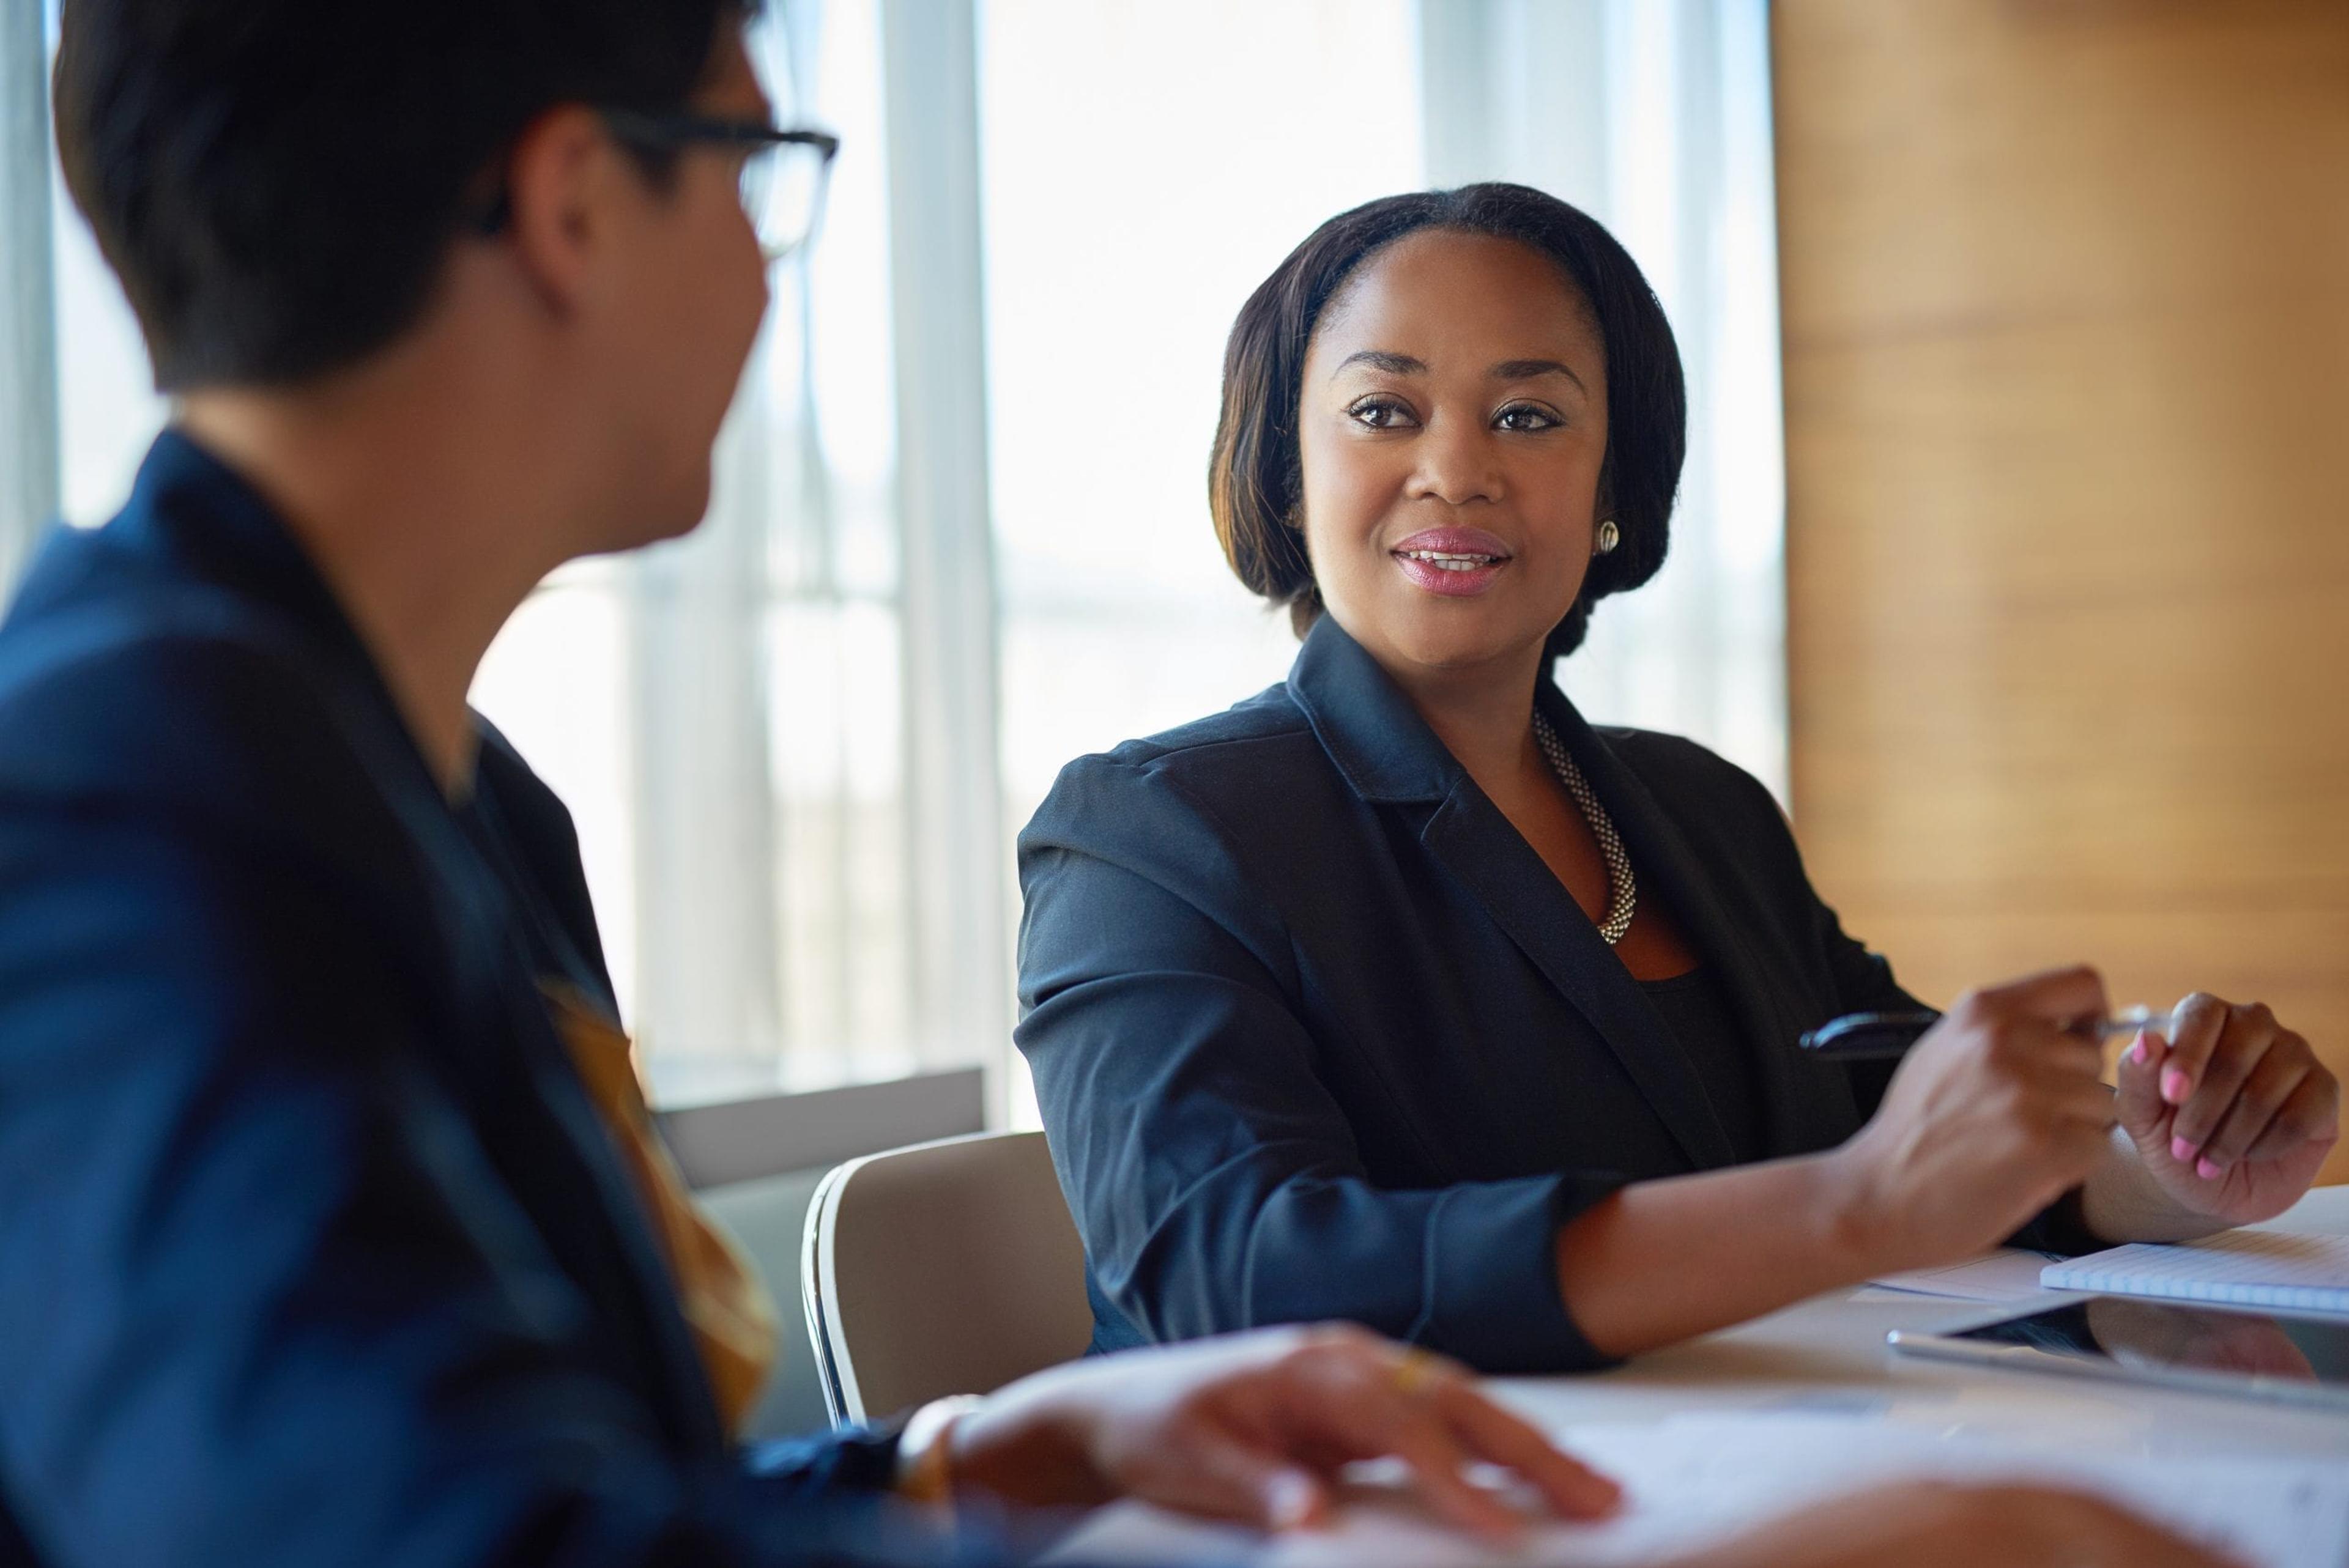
(1451, 560)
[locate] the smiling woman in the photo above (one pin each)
(1401, 993)
(1461, 374)
(1391, 434)
(1552, 278)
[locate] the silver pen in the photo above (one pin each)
(1880, 1036)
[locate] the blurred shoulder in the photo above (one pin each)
(122, 688)
(525, 800)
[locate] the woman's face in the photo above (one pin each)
(1451, 426)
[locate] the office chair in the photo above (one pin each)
(945, 1268)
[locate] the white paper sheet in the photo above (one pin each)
(2010, 1273)
(1696, 1478)
(2276, 1269)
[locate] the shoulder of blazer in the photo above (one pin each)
(1675, 764)
(1209, 812)
(1196, 749)
(1219, 764)
(1724, 811)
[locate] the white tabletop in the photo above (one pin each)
(1712, 1432)
(1828, 1354)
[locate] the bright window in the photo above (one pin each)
(746, 724)
(1181, 152)
(724, 712)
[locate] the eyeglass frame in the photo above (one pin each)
(680, 129)
(674, 131)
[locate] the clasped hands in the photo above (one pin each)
(2000, 1109)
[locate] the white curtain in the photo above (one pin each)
(817, 877)
(1653, 115)
(29, 471)
(768, 879)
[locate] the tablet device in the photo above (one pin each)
(2224, 1350)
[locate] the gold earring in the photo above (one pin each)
(1610, 536)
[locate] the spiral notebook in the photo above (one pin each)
(2281, 1269)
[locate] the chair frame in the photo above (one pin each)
(823, 1209)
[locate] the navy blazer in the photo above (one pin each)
(313, 1249)
(1318, 1035)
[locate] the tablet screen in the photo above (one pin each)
(2130, 1330)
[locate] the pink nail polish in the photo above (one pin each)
(2182, 1151)
(2174, 1085)
(2136, 1050)
(2207, 1168)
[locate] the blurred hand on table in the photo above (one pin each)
(1931, 1525)
(1255, 1428)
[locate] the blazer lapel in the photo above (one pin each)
(1388, 755)
(1478, 845)
(596, 1198)
(1802, 1104)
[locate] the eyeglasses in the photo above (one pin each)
(785, 173)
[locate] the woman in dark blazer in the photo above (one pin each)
(1400, 993)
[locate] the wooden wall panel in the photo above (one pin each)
(2066, 317)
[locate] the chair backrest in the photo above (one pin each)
(947, 1268)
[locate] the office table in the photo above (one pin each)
(1813, 1390)
(1828, 1353)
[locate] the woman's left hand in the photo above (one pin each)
(2232, 1114)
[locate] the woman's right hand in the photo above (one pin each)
(1258, 1426)
(1993, 1114)
(1933, 1525)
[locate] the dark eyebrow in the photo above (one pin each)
(1526, 369)
(1380, 359)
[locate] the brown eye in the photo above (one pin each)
(1380, 413)
(1525, 416)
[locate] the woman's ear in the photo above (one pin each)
(1599, 574)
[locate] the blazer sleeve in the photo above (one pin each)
(264, 1297)
(1214, 1177)
(1864, 983)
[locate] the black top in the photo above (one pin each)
(1316, 1034)
(314, 1250)
(1699, 1014)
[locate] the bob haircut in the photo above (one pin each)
(1255, 477)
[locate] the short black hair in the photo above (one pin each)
(276, 183)
(1256, 478)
